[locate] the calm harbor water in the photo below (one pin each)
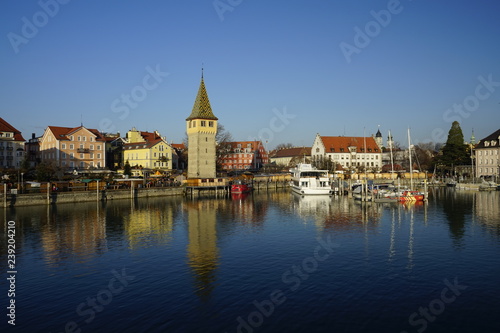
(267, 262)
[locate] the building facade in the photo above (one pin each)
(148, 151)
(76, 148)
(487, 156)
(288, 157)
(201, 127)
(244, 155)
(12, 147)
(351, 153)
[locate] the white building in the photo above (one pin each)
(487, 156)
(352, 153)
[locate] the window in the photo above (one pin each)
(194, 123)
(81, 156)
(63, 155)
(79, 138)
(91, 147)
(63, 146)
(71, 155)
(98, 147)
(82, 164)
(210, 124)
(81, 145)
(203, 123)
(71, 146)
(98, 155)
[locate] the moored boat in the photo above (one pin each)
(307, 180)
(240, 186)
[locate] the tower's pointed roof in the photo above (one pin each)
(202, 108)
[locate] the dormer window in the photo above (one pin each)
(486, 144)
(493, 142)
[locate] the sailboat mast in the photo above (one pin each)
(392, 158)
(411, 164)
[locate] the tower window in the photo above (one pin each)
(206, 139)
(210, 124)
(203, 123)
(194, 123)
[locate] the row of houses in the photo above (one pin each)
(88, 150)
(84, 149)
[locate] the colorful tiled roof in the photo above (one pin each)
(341, 144)
(202, 108)
(6, 127)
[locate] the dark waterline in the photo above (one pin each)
(268, 262)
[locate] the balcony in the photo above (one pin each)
(84, 150)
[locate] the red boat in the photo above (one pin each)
(408, 196)
(240, 187)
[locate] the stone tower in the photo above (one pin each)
(390, 141)
(378, 139)
(201, 128)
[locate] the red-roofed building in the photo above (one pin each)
(244, 155)
(73, 148)
(11, 146)
(290, 156)
(352, 153)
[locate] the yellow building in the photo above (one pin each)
(147, 151)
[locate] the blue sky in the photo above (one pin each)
(279, 70)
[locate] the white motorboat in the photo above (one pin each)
(307, 180)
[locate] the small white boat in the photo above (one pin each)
(307, 180)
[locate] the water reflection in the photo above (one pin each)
(487, 211)
(202, 251)
(337, 213)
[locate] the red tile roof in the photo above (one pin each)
(6, 127)
(62, 133)
(292, 152)
(340, 144)
(179, 146)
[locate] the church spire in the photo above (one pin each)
(202, 108)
